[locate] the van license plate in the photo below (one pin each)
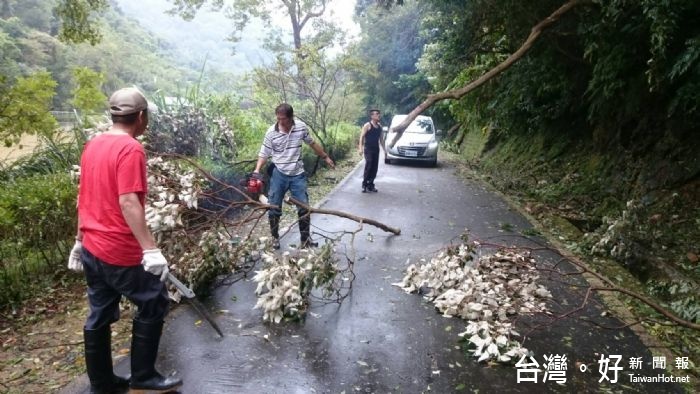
(411, 153)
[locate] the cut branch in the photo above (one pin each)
(613, 287)
(359, 219)
(257, 206)
(609, 286)
(458, 93)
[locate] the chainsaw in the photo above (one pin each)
(254, 186)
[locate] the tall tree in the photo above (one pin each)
(390, 46)
(323, 94)
(309, 79)
(299, 12)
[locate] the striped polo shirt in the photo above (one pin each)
(285, 148)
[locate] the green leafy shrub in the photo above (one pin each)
(37, 220)
(341, 139)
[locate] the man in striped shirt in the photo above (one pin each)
(283, 142)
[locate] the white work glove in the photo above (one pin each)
(74, 262)
(155, 263)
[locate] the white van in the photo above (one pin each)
(418, 142)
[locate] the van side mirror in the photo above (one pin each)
(438, 132)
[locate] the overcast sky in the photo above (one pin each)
(342, 12)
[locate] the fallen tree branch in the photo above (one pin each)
(652, 304)
(609, 285)
(247, 200)
(515, 56)
(359, 219)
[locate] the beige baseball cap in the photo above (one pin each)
(127, 101)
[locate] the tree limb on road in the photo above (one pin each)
(257, 205)
(605, 284)
(515, 56)
(359, 219)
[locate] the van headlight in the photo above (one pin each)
(433, 145)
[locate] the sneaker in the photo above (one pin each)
(275, 244)
(364, 189)
(372, 189)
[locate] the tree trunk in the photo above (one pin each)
(460, 137)
(452, 130)
(458, 93)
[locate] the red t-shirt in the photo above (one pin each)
(111, 165)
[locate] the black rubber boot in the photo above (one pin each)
(98, 362)
(275, 231)
(304, 227)
(144, 351)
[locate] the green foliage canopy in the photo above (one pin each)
(389, 49)
(24, 108)
(87, 96)
(79, 23)
(300, 12)
(630, 68)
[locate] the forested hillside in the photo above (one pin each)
(37, 69)
(204, 37)
(594, 128)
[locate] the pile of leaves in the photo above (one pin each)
(487, 291)
(285, 283)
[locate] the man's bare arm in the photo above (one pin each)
(135, 217)
(364, 131)
(322, 154)
(261, 162)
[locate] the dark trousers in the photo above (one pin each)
(371, 165)
(107, 284)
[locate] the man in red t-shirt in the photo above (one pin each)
(117, 251)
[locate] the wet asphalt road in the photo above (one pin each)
(380, 339)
